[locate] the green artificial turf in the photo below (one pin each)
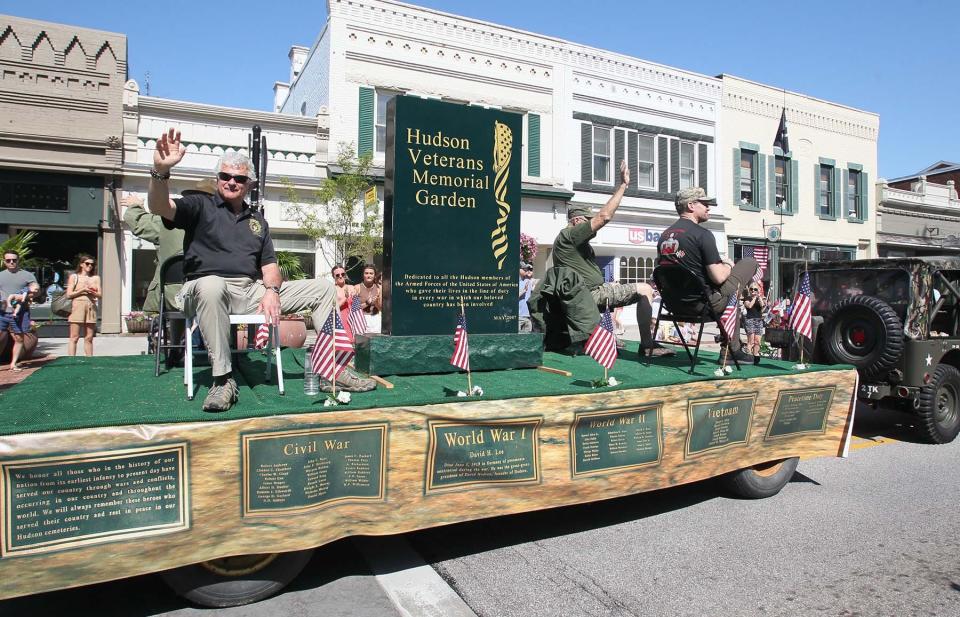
(74, 392)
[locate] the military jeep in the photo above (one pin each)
(898, 321)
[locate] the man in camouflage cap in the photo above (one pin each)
(689, 243)
(572, 249)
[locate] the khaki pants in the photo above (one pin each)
(740, 277)
(214, 298)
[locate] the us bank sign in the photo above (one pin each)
(643, 236)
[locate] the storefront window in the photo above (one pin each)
(636, 269)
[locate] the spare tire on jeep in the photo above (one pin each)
(865, 332)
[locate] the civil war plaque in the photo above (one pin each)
(718, 423)
(63, 502)
(451, 217)
(482, 453)
(616, 440)
(291, 472)
(800, 411)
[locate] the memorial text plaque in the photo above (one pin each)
(291, 472)
(718, 423)
(616, 440)
(451, 217)
(62, 502)
(800, 411)
(482, 453)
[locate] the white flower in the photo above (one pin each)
(477, 391)
(800, 367)
(343, 397)
(328, 402)
(461, 393)
(613, 381)
(718, 372)
(728, 369)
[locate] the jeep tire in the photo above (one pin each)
(939, 405)
(865, 332)
(760, 481)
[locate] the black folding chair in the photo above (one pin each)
(680, 292)
(171, 272)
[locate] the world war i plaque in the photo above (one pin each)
(451, 237)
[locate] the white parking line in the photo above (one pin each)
(414, 587)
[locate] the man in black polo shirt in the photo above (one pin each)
(687, 242)
(227, 251)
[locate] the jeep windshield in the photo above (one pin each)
(829, 287)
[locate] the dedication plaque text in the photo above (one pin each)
(482, 453)
(616, 440)
(62, 502)
(800, 411)
(717, 423)
(291, 472)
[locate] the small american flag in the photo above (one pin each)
(728, 321)
(762, 255)
(333, 349)
(358, 323)
(800, 319)
(262, 336)
(602, 345)
(461, 347)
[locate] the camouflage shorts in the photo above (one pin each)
(615, 294)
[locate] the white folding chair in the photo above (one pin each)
(273, 348)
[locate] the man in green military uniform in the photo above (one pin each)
(572, 249)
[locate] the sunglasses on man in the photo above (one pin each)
(239, 179)
(12, 261)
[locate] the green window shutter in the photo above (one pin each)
(772, 183)
(864, 196)
(633, 154)
(816, 189)
(846, 194)
(702, 167)
(761, 194)
(794, 179)
(365, 133)
(663, 176)
(533, 145)
(586, 153)
(674, 165)
(736, 176)
(837, 178)
(619, 153)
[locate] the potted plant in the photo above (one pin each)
(137, 322)
(528, 248)
(29, 344)
(293, 329)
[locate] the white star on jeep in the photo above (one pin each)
(929, 359)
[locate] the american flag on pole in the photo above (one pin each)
(262, 336)
(358, 323)
(762, 255)
(800, 319)
(728, 321)
(461, 347)
(602, 345)
(333, 349)
(781, 140)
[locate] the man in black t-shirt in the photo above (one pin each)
(230, 264)
(687, 242)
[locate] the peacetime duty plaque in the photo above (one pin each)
(291, 472)
(616, 440)
(482, 453)
(63, 502)
(800, 411)
(718, 423)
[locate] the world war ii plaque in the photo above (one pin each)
(59, 503)
(718, 423)
(452, 217)
(800, 411)
(615, 440)
(482, 453)
(290, 472)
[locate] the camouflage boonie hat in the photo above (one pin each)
(576, 211)
(694, 194)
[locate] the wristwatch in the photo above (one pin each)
(273, 288)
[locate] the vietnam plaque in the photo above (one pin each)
(718, 423)
(616, 440)
(800, 411)
(482, 453)
(291, 472)
(62, 502)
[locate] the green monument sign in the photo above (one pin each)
(718, 423)
(452, 217)
(800, 411)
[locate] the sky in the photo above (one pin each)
(896, 59)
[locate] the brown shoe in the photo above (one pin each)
(349, 382)
(660, 352)
(222, 397)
